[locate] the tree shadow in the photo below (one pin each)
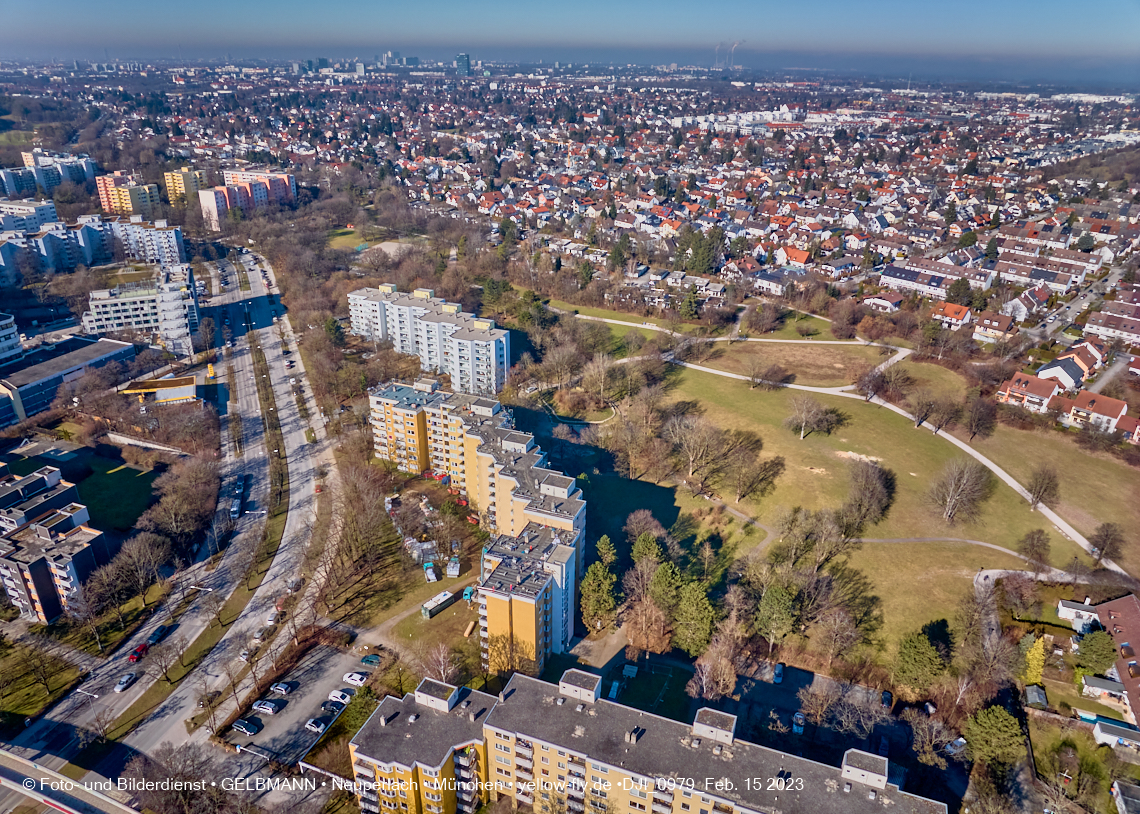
(938, 633)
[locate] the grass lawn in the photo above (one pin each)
(819, 366)
(788, 329)
(621, 316)
(27, 698)
(1058, 691)
(659, 693)
(115, 494)
(922, 582)
(1047, 736)
(12, 138)
(816, 473)
(1095, 488)
(347, 239)
(414, 592)
(938, 380)
(446, 627)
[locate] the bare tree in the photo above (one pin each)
(753, 476)
(1034, 546)
(871, 383)
(928, 737)
(1044, 486)
(596, 374)
(807, 415)
(160, 659)
(713, 678)
(858, 712)
(213, 602)
(440, 663)
(943, 414)
(754, 370)
(960, 489)
(1108, 540)
(817, 700)
(981, 417)
(698, 442)
(922, 403)
(38, 658)
(85, 614)
(837, 632)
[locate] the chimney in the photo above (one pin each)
(471, 716)
(383, 720)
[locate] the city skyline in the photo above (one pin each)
(883, 36)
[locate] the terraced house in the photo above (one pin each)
(445, 749)
(531, 567)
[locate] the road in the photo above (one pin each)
(31, 781)
(55, 738)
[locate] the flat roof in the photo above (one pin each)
(80, 351)
(160, 384)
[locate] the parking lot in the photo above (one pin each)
(320, 672)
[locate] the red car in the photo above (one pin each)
(138, 653)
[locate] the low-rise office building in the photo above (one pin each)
(29, 385)
(471, 350)
(446, 749)
(165, 307)
(44, 562)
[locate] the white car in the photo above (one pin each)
(340, 696)
(127, 680)
(267, 707)
(281, 688)
(273, 617)
(355, 679)
(293, 380)
(315, 725)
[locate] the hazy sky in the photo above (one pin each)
(1101, 37)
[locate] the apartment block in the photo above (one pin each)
(23, 497)
(245, 191)
(43, 562)
(449, 750)
(10, 347)
(123, 193)
(530, 570)
(91, 240)
(26, 215)
(165, 306)
(184, 184)
(469, 349)
(44, 172)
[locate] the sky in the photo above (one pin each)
(1007, 39)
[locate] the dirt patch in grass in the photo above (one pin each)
(811, 365)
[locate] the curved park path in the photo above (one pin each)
(847, 391)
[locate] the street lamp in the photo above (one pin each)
(201, 588)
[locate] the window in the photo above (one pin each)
(502, 736)
(686, 794)
(684, 806)
(503, 772)
(546, 772)
(595, 778)
(599, 793)
(506, 761)
(545, 760)
(502, 747)
(597, 768)
(636, 805)
(561, 765)
(638, 793)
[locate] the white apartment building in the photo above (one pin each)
(26, 215)
(10, 347)
(469, 349)
(90, 241)
(165, 307)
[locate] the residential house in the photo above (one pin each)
(1087, 409)
(1081, 615)
(1028, 392)
(951, 315)
(884, 303)
(1028, 303)
(991, 327)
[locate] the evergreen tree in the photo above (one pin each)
(951, 213)
(918, 664)
(689, 306)
(775, 615)
(1097, 653)
(646, 546)
(1035, 662)
(665, 586)
(991, 249)
(606, 551)
(599, 601)
(693, 624)
(993, 736)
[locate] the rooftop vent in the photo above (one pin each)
(579, 708)
(560, 701)
(412, 718)
(872, 794)
(696, 743)
(847, 787)
(716, 750)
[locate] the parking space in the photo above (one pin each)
(320, 672)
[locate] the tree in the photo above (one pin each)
(806, 415)
(606, 551)
(646, 547)
(871, 383)
(1035, 662)
(994, 737)
(959, 292)
(929, 736)
(960, 489)
(1044, 486)
(918, 664)
(335, 331)
(439, 663)
(599, 600)
(869, 494)
(837, 632)
(1097, 653)
(690, 305)
(665, 587)
(992, 249)
(922, 403)
(1086, 243)
(752, 476)
(981, 417)
(775, 616)
(951, 213)
(1034, 546)
(1106, 540)
(160, 659)
(693, 620)
(817, 700)
(944, 413)
(713, 677)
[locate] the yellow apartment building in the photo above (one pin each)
(564, 749)
(133, 200)
(531, 568)
(183, 184)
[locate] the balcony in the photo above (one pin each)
(520, 760)
(523, 773)
(663, 795)
(662, 808)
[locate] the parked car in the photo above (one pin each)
(268, 706)
(955, 747)
(371, 660)
(273, 617)
(138, 653)
(247, 654)
(261, 633)
(127, 680)
(340, 696)
(315, 725)
(208, 698)
(295, 584)
(292, 380)
(355, 679)
(930, 708)
(158, 635)
(888, 700)
(246, 727)
(281, 688)
(332, 706)
(778, 673)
